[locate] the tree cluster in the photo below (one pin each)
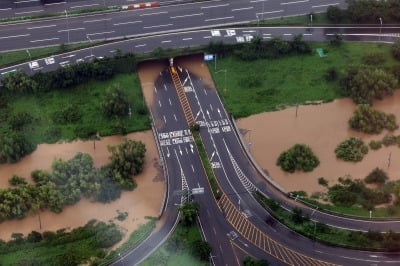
(366, 11)
(371, 121)
(365, 84)
(350, 192)
(71, 75)
(189, 213)
(377, 176)
(352, 149)
(250, 261)
(73, 179)
(14, 146)
(298, 157)
(115, 102)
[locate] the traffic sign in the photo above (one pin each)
(208, 57)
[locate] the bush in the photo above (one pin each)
(389, 140)
(323, 182)
(201, 249)
(331, 74)
(115, 102)
(352, 149)
(335, 14)
(19, 82)
(375, 59)
(297, 216)
(249, 261)
(336, 40)
(396, 50)
(252, 80)
(19, 120)
(298, 157)
(13, 147)
(52, 134)
(84, 131)
(371, 121)
(377, 176)
(68, 114)
(364, 84)
(375, 144)
(17, 180)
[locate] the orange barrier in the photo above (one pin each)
(141, 5)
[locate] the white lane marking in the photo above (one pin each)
(25, 1)
(27, 12)
(43, 40)
(211, 107)
(129, 22)
(188, 15)
(212, 19)
(68, 56)
(165, 120)
(187, 152)
(4, 9)
(71, 29)
(207, 37)
(243, 8)
(14, 36)
(205, 91)
(157, 26)
(295, 2)
(40, 27)
(176, 119)
(149, 14)
(169, 99)
(270, 12)
(168, 154)
(186, 39)
(287, 34)
(333, 4)
(215, 232)
(192, 168)
(180, 150)
(72, 7)
(205, 7)
(97, 20)
(140, 45)
(64, 62)
(165, 87)
(155, 89)
(258, 1)
(52, 4)
(307, 34)
(98, 33)
(167, 41)
(159, 103)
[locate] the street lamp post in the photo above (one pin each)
(91, 47)
(66, 16)
(380, 28)
(30, 58)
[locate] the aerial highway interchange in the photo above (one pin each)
(193, 24)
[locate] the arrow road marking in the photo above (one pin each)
(191, 148)
(180, 69)
(169, 99)
(185, 82)
(165, 120)
(219, 112)
(197, 115)
(205, 91)
(208, 113)
(192, 167)
(187, 152)
(165, 87)
(211, 107)
(180, 150)
(176, 119)
(212, 156)
(159, 102)
(168, 154)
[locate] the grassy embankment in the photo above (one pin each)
(289, 80)
(177, 249)
(87, 99)
(325, 233)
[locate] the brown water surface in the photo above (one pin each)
(322, 127)
(137, 203)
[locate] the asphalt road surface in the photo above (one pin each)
(149, 21)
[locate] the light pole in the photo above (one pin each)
(30, 59)
(380, 29)
(66, 16)
(311, 18)
(91, 47)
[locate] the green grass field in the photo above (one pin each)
(176, 250)
(87, 99)
(289, 80)
(302, 20)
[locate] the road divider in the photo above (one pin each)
(140, 5)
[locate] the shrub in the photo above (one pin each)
(396, 50)
(335, 14)
(323, 182)
(13, 147)
(249, 261)
(371, 121)
(389, 140)
(377, 176)
(375, 144)
(19, 120)
(365, 84)
(336, 40)
(352, 149)
(331, 74)
(19, 82)
(375, 59)
(297, 216)
(298, 157)
(17, 180)
(252, 80)
(339, 195)
(52, 134)
(68, 114)
(115, 102)
(84, 131)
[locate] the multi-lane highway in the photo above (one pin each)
(150, 21)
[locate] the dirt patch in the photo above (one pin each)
(322, 127)
(138, 203)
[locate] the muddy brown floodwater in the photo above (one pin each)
(322, 127)
(145, 200)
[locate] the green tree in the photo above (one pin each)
(371, 121)
(297, 216)
(189, 213)
(17, 180)
(20, 82)
(201, 249)
(298, 157)
(250, 261)
(14, 146)
(115, 102)
(335, 14)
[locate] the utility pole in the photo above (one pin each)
(91, 47)
(380, 29)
